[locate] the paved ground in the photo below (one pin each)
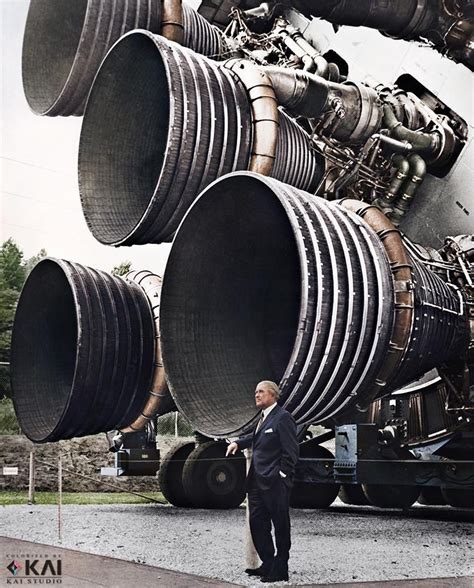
(340, 545)
(83, 570)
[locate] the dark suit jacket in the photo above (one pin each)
(274, 448)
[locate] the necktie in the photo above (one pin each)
(260, 421)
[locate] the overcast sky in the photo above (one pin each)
(40, 204)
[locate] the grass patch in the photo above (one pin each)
(9, 498)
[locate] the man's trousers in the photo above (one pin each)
(267, 507)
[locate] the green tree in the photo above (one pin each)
(12, 268)
(13, 271)
(32, 261)
(122, 268)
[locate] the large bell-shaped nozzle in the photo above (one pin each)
(265, 281)
(66, 40)
(161, 124)
(84, 352)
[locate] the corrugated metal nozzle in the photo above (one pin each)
(82, 352)
(265, 281)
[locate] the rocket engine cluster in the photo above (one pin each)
(282, 182)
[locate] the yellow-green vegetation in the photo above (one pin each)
(9, 498)
(8, 423)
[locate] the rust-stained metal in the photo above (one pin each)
(265, 115)
(159, 398)
(401, 269)
(172, 20)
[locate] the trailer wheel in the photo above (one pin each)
(211, 480)
(307, 495)
(458, 497)
(396, 496)
(353, 494)
(171, 472)
(431, 496)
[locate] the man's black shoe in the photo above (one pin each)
(260, 571)
(274, 578)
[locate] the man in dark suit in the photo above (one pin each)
(274, 455)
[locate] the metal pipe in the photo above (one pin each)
(83, 350)
(267, 281)
(172, 20)
(401, 268)
(159, 398)
(195, 123)
(423, 143)
(265, 114)
(401, 165)
(311, 96)
(416, 175)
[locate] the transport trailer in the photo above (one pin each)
(370, 466)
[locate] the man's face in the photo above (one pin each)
(263, 397)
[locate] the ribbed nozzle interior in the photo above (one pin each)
(83, 348)
(230, 303)
(52, 35)
(124, 138)
(44, 350)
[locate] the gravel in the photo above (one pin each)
(341, 544)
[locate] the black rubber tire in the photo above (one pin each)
(431, 496)
(458, 498)
(307, 495)
(170, 474)
(395, 496)
(353, 494)
(211, 480)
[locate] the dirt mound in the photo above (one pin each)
(85, 456)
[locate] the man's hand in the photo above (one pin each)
(232, 449)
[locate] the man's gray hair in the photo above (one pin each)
(268, 385)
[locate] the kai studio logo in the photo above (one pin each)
(14, 567)
(34, 571)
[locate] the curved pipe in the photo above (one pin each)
(172, 20)
(265, 114)
(401, 268)
(194, 124)
(416, 175)
(267, 281)
(402, 167)
(423, 143)
(312, 60)
(82, 352)
(159, 398)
